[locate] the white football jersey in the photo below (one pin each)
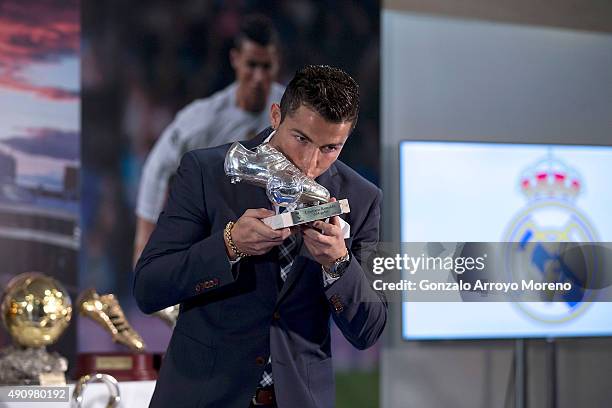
(207, 122)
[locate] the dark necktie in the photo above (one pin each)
(287, 252)
(286, 255)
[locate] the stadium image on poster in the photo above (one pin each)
(493, 192)
(40, 146)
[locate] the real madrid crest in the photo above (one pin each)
(536, 233)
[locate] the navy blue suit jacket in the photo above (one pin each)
(233, 317)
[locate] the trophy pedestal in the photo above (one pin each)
(31, 366)
(307, 214)
(122, 366)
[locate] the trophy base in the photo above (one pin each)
(308, 214)
(31, 366)
(122, 366)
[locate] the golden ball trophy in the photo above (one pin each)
(36, 309)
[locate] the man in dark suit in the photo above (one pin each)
(255, 302)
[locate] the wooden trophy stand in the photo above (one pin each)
(124, 366)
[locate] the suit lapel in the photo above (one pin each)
(257, 140)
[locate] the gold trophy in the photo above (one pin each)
(124, 366)
(36, 309)
(106, 311)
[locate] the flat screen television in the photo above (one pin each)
(496, 192)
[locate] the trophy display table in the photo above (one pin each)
(134, 394)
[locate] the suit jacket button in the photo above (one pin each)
(260, 361)
(276, 315)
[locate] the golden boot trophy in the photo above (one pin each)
(106, 311)
(124, 366)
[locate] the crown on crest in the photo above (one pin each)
(550, 178)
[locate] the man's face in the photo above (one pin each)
(308, 140)
(256, 67)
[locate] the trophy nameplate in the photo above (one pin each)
(307, 214)
(54, 378)
(123, 366)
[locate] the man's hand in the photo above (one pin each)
(325, 241)
(252, 236)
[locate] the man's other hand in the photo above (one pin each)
(325, 241)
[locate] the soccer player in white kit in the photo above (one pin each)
(237, 112)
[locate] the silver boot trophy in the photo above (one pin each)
(285, 185)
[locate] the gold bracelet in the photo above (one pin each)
(230, 241)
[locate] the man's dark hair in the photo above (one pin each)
(329, 91)
(257, 28)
